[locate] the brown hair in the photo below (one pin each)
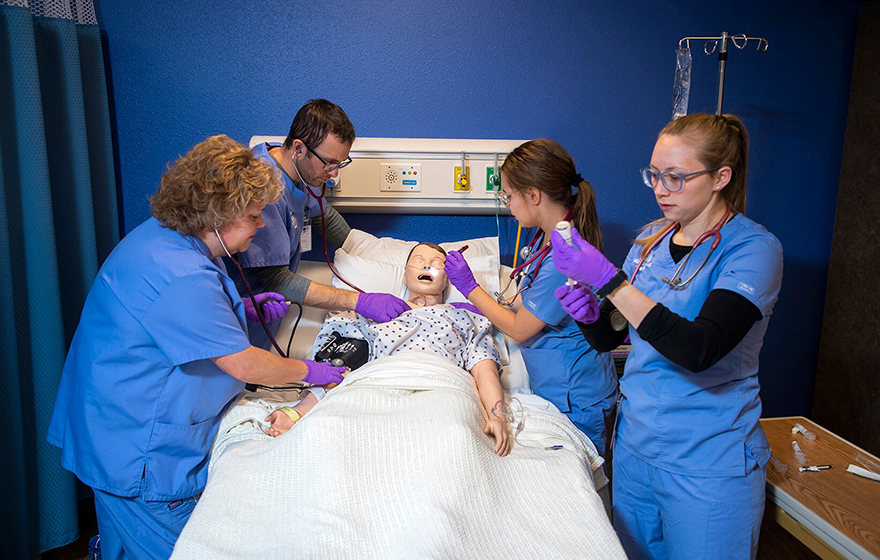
(434, 246)
(547, 166)
(212, 185)
(719, 141)
(315, 120)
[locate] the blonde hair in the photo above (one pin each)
(719, 141)
(212, 185)
(548, 167)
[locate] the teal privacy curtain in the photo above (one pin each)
(58, 221)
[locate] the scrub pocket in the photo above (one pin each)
(177, 460)
(548, 377)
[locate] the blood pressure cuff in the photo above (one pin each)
(353, 352)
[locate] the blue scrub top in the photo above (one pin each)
(278, 243)
(702, 424)
(562, 366)
(140, 400)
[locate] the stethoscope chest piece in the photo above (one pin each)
(525, 253)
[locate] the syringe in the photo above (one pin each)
(807, 433)
(798, 454)
(564, 229)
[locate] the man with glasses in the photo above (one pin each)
(315, 149)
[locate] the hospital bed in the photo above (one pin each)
(393, 462)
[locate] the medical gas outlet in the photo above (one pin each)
(462, 180)
(397, 177)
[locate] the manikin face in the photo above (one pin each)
(424, 271)
(332, 149)
(237, 235)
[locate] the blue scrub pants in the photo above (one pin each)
(593, 420)
(136, 528)
(662, 515)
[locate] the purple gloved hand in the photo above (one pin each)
(322, 373)
(465, 305)
(459, 273)
(380, 307)
(583, 262)
(271, 304)
(579, 302)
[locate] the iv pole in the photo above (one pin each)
(725, 38)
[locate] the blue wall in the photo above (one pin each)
(595, 76)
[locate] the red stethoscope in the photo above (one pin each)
(520, 271)
(676, 281)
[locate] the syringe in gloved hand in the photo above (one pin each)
(564, 229)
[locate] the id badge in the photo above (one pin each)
(305, 241)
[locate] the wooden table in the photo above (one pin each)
(835, 513)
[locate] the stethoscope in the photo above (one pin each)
(321, 198)
(676, 281)
(250, 292)
(529, 256)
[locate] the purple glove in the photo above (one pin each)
(583, 262)
(380, 307)
(271, 304)
(465, 305)
(459, 273)
(579, 302)
(322, 373)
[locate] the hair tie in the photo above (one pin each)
(576, 180)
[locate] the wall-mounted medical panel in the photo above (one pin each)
(418, 175)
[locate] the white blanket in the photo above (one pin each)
(393, 463)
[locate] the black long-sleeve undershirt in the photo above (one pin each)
(724, 320)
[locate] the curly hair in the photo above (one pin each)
(212, 185)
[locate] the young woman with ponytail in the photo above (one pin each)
(541, 187)
(696, 291)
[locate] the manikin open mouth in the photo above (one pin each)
(427, 277)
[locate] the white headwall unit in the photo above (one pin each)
(415, 175)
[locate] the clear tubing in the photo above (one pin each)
(681, 90)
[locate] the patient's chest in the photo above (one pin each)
(451, 333)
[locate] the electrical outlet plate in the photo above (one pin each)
(400, 177)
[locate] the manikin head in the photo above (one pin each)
(424, 274)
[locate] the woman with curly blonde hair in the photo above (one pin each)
(162, 349)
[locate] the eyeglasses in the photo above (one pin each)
(673, 182)
(504, 198)
(328, 167)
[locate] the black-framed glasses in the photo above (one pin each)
(328, 167)
(673, 181)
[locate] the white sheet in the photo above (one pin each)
(393, 463)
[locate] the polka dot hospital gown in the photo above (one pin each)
(455, 334)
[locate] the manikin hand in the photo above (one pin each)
(459, 273)
(497, 428)
(281, 423)
(321, 373)
(579, 302)
(273, 308)
(583, 262)
(380, 307)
